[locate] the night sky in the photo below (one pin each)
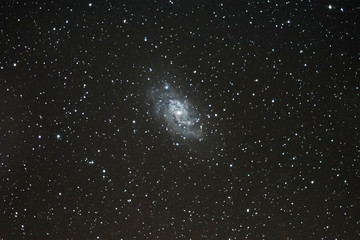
(179, 120)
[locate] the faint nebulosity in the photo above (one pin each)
(179, 120)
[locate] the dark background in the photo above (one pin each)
(82, 155)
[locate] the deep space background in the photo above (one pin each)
(84, 155)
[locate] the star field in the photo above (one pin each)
(179, 120)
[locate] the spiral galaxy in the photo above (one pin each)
(178, 115)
